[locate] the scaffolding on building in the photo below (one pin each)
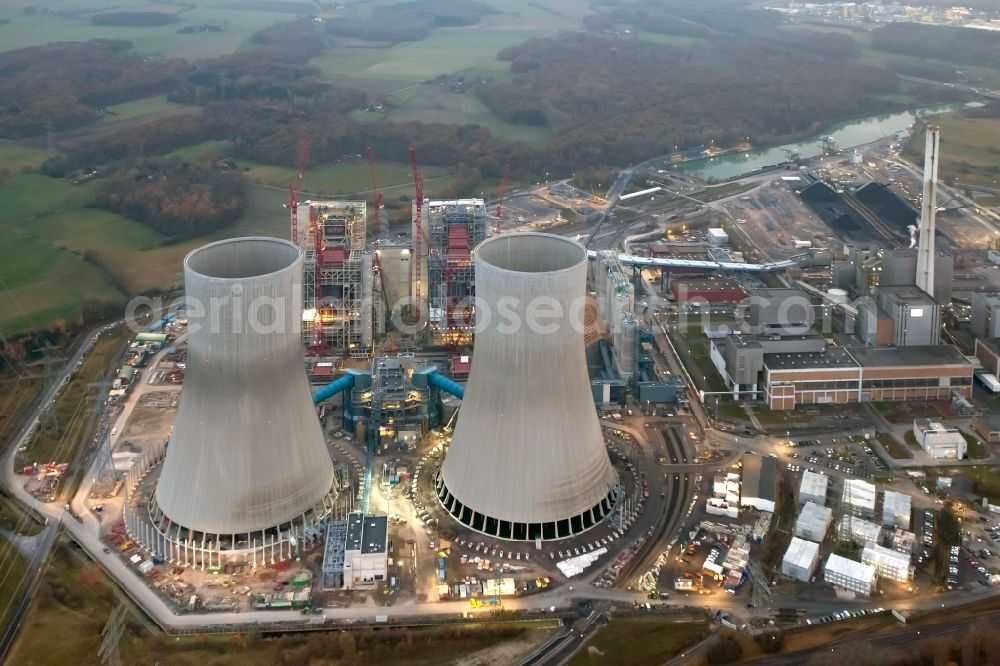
(453, 229)
(615, 294)
(337, 280)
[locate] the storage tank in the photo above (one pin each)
(837, 295)
(528, 460)
(449, 405)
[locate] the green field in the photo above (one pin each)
(14, 569)
(217, 149)
(970, 150)
(15, 157)
(638, 641)
(138, 108)
(893, 447)
(35, 29)
(430, 103)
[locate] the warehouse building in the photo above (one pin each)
(759, 488)
(888, 563)
(813, 522)
(707, 290)
(800, 560)
(858, 498)
(896, 510)
(813, 488)
(938, 440)
(987, 426)
(850, 575)
(859, 530)
(866, 374)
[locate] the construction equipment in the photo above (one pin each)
(418, 236)
(381, 216)
(302, 156)
(504, 175)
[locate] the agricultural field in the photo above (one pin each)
(138, 108)
(40, 27)
(970, 150)
(637, 641)
(15, 157)
(432, 103)
(14, 569)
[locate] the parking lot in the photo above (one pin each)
(846, 456)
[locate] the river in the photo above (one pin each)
(846, 134)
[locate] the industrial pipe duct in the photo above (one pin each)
(246, 460)
(527, 460)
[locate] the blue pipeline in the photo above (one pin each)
(440, 381)
(343, 383)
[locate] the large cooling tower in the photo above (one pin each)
(527, 459)
(247, 454)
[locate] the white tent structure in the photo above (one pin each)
(528, 460)
(246, 467)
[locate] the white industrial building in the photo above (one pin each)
(813, 522)
(888, 563)
(356, 552)
(850, 575)
(718, 236)
(858, 498)
(813, 488)
(759, 488)
(896, 510)
(800, 559)
(939, 440)
(859, 530)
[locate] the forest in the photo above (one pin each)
(178, 200)
(613, 101)
(952, 44)
(64, 84)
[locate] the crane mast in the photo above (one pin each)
(418, 237)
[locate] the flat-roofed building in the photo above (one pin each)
(813, 522)
(939, 440)
(853, 576)
(916, 317)
(987, 350)
(859, 530)
(830, 376)
(985, 314)
(365, 551)
(858, 498)
(896, 510)
(813, 488)
(888, 563)
(987, 426)
(931, 372)
(759, 488)
(800, 559)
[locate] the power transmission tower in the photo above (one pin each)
(51, 365)
(761, 590)
(112, 632)
(106, 474)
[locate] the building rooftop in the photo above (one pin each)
(859, 493)
(859, 529)
(906, 294)
(802, 553)
(813, 520)
(710, 284)
(850, 569)
(813, 484)
(366, 533)
(831, 357)
(903, 356)
(992, 344)
(875, 554)
(896, 504)
(759, 477)
(777, 293)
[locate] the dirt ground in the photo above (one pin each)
(511, 652)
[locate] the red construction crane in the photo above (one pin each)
(302, 155)
(293, 206)
(381, 220)
(504, 175)
(418, 238)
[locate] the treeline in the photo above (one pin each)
(62, 84)
(704, 18)
(952, 44)
(410, 21)
(178, 200)
(616, 101)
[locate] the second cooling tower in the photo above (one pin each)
(527, 460)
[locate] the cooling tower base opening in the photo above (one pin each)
(151, 528)
(518, 531)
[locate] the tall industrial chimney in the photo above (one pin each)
(527, 460)
(246, 467)
(928, 210)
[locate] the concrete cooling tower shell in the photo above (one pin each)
(247, 454)
(527, 459)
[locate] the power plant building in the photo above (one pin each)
(527, 459)
(337, 275)
(246, 475)
(616, 301)
(985, 314)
